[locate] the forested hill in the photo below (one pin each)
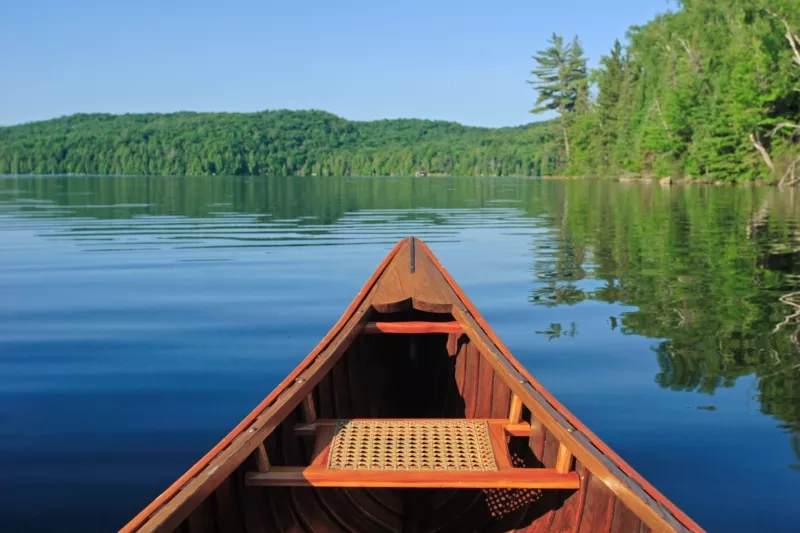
(710, 91)
(270, 142)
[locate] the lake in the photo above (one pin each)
(142, 317)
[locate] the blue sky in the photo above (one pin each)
(465, 60)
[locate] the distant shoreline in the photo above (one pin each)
(626, 180)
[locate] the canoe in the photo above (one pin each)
(410, 416)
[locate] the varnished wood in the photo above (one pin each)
(262, 461)
(515, 414)
(319, 476)
(196, 490)
(536, 427)
(324, 435)
(409, 328)
(500, 449)
(639, 489)
(651, 511)
(564, 459)
(388, 356)
(309, 409)
(521, 429)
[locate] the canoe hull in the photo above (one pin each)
(453, 380)
(411, 346)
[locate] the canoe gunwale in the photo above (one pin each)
(173, 505)
(575, 432)
(141, 522)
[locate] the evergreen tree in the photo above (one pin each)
(561, 81)
(708, 91)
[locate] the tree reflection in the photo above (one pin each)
(699, 275)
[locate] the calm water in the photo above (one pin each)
(142, 318)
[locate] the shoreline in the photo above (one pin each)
(668, 181)
(664, 182)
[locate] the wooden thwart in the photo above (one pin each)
(372, 328)
(316, 476)
(521, 429)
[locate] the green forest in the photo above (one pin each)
(282, 143)
(709, 91)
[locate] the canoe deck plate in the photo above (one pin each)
(426, 445)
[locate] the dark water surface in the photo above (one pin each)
(142, 318)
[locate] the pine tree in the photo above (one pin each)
(562, 83)
(611, 84)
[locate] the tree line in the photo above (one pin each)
(711, 91)
(270, 143)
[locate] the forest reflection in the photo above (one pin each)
(712, 272)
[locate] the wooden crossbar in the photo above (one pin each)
(320, 476)
(372, 328)
(521, 429)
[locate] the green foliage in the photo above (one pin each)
(684, 97)
(694, 277)
(560, 77)
(561, 80)
(271, 143)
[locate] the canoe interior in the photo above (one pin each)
(410, 376)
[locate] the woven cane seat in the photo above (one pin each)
(416, 445)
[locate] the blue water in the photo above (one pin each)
(142, 318)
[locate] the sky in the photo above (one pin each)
(465, 61)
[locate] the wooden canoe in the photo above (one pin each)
(410, 416)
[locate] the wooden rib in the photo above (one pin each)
(262, 461)
(567, 516)
(564, 459)
(625, 482)
(585, 475)
(501, 396)
(598, 508)
(624, 520)
(320, 476)
(515, 413)
(536, 427)
(565, 432)
(309, 409)
(373, 328)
